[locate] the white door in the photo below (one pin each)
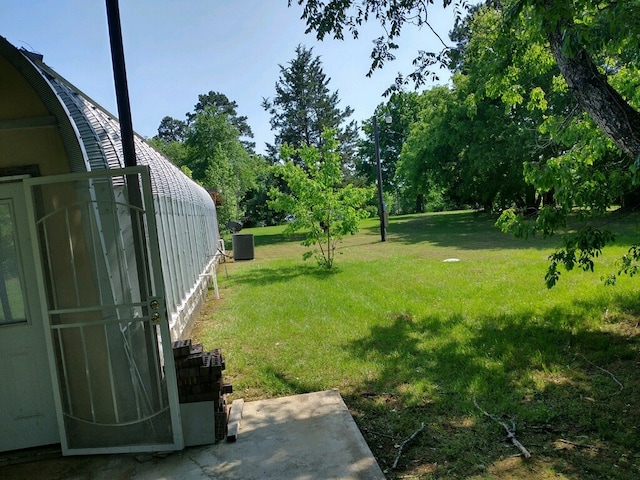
(105, 315)
(27, 409)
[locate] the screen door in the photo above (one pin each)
(106, 320)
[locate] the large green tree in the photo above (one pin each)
(427, 170)
(219, 161)
(211, 147)
(221, 103)
(304, 105)
(472, 138)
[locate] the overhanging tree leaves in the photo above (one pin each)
(577, 31)
(334, 17)
(580, 31)
(317, 199)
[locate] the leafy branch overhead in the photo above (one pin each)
(316, 199)
(336, 17)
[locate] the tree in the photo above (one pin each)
(219, 161)
(470, 140)
(317, 199)
(426, 170)
(586, 174)
(304, 105)
(222, 104)
(578, 31)
(171, 130)
(211, 147)
(255, 200)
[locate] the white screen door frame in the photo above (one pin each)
(105, 318)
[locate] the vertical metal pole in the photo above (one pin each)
(133, 183)
(120, 78)
(383, 233)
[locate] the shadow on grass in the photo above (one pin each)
(464, 230)
(262, 239)
(551, 374)
(269, 276)
(281, 383)
(472, 231)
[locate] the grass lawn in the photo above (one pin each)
(410, 339)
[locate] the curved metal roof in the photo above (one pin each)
(68, 133)
(92, 135)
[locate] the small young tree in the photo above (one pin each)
(317, 200)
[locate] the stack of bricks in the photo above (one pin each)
(199, 376)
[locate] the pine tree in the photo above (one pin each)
(304, 105)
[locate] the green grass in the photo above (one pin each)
(408, 338)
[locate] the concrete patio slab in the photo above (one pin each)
(301, 437)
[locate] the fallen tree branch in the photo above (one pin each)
(605, 371)
(510, 431)
(395, 462)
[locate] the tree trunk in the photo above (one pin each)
(603, 103)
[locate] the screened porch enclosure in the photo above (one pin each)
(107, 318)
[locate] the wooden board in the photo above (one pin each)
(235, 415)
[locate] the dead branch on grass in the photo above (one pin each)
(604, 370)
(407, 440)
(511, 432)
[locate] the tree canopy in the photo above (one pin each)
(210, 147)
(221, 103)
(584, 37)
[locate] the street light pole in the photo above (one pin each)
(383, 233)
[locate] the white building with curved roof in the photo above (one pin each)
(101, 267)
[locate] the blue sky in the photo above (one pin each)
(176, 50)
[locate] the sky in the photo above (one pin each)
(176, 50)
